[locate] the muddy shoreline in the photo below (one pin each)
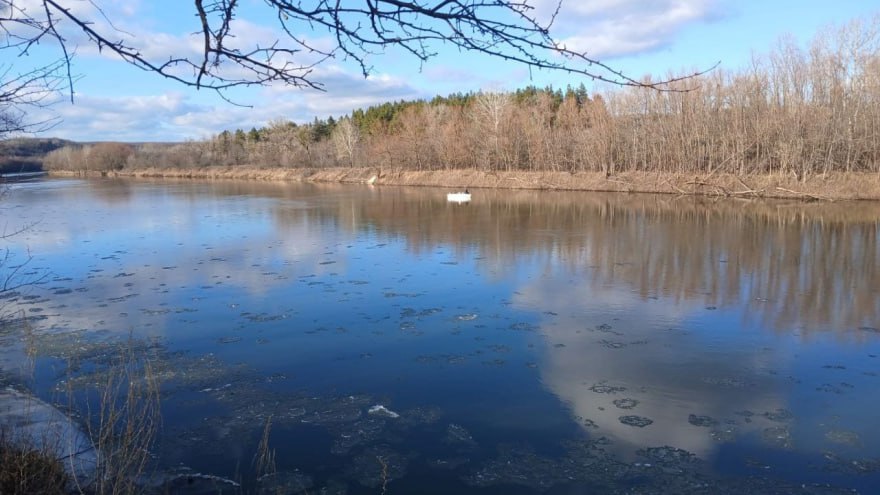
(830, 187)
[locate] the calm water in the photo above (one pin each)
(525, 342)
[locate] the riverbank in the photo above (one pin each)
(829, 187)
(34, 426)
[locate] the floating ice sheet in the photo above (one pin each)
(380, 410)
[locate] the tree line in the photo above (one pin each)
(798, 111)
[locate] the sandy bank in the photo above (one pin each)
(837, 186)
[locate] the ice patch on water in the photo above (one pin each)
(380, 410)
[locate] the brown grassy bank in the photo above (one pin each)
(832, 186)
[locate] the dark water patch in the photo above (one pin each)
(419, 313)
(607, 329)
(263, 317)
(155, 312)
(362, 432)
(728, 433)
(604, 388)
(779, 415)
(838, 388)
(524, 327)
(702, 421)
(452, 359)
(677, 459)
(391, 295)
(636, 421)
(834, 367)
(9, 294)
(625, 403)
(844, 465)
(612, 345)
(727, 382)
(779, 437)
(843, 437)
(32, 299)
(122, 298)
(518, 466)
(447, 464)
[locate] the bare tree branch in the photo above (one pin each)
(509, 30)
(21, 92)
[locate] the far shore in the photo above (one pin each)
(829, 187)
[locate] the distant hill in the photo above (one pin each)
(26, 154)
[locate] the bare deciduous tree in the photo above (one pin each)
(346, 137)
(490, 111)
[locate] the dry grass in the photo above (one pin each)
(32, 458)
(125, 425)
(27, 470)
(264, 460)
(40, 448)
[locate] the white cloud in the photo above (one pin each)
(134, 118)
(612, 28)
(175, 116)
(343, 92)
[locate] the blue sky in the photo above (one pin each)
(114, 101)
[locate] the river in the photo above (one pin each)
(387, 341)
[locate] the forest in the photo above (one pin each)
(797, 111)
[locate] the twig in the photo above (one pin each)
(680, 190)
(808, 195)
(749, 189)
(724, 191)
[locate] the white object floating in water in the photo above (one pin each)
(380, 410)
(459, 197)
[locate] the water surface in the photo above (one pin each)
(526, 342)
